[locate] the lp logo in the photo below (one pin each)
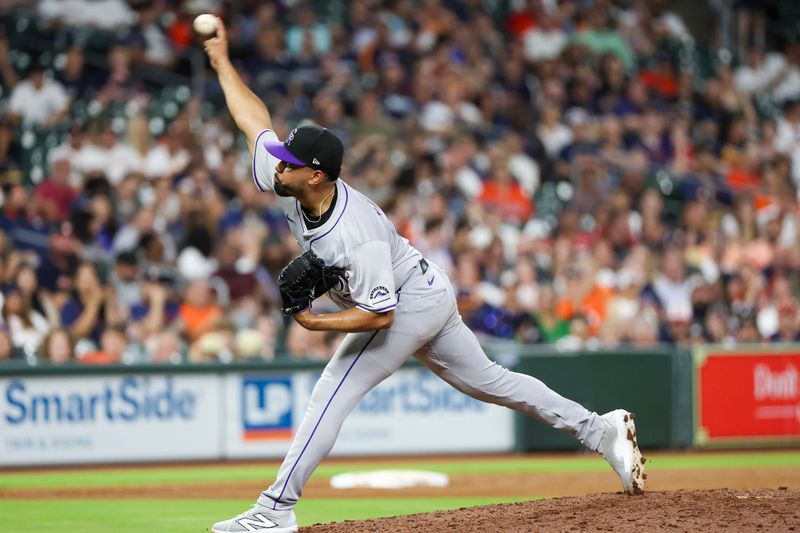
(267, 407)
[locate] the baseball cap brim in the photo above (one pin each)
(279, 150)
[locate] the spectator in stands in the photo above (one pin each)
(108, 156)
(307, 36)
(170, 157)
(579, 337)
(143, 303)
(623, 307)
(35, 297)
(38, 100)
(71, 150)
(747, 329)
(269, 329)
(8, 79)
(788, 322)
(600, 35)
(165, 347)
(131, 234)
(6, 139)
(644, 331)
(553, 133)
(453, 106)
(546, 40)
(199, 313)
(126, 280)
(102, 14)
(8, 75)
(434, 242)
(57, 347)
(148, 38)
(112, 347)
(716, 326)
(90, 307)
(16, 198)
(26, 326)
(75, 77)
(6, 346)
(55, 194)
(120, 84)
(236, 268)
(787, 138)
(550, 325)
(672, 287)
(786, 85)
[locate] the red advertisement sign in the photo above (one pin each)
(747, 397)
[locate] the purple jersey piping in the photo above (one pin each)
(382, 309)
(286, 484)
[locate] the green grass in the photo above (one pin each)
(156, 476)
(173, 516)
(179, 516)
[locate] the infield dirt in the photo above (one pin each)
(681, 499)
(704, 510)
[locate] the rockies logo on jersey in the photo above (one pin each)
(379, 293)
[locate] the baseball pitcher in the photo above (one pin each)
(394, 304)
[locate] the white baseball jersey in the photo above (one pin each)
(357, 237)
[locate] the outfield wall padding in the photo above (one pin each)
(655, 384)
(60, 408)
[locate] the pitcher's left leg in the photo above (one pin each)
(457, 357)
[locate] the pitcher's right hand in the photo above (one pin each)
(217, 46)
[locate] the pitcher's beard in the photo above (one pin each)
(281, 190)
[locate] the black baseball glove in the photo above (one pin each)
(303, 280)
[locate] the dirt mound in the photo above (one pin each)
(706, 510)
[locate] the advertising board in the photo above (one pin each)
(411, 412)
(746, 397)
(104, 418)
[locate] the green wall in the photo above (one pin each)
(655, 385)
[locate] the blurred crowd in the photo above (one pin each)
(586, 178)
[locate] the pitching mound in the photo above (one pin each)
(707, 510)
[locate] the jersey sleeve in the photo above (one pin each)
(371, 280)
(264, 163)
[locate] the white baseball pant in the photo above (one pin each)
(427, 325)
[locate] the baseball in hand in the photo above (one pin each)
(205, 24)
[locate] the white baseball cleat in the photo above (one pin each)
(621, 450)
(258, 518)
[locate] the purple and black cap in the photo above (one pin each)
(310, 146)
